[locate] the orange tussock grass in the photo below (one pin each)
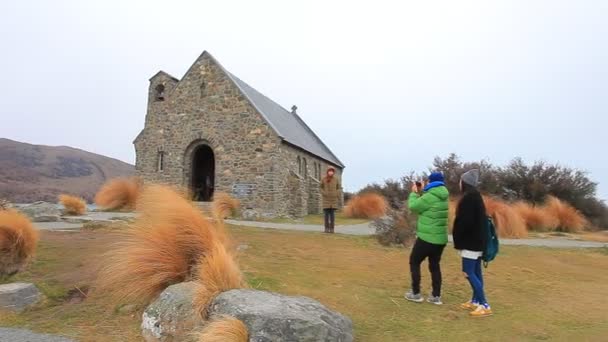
(224, 205)
(18, 240)
(536, 218)
(453, 204)
(217, 272)
(369, 205)
(508, 222)
(224, 329)
(118, 193)
(162, 247)
(73, 205)
(568, 218)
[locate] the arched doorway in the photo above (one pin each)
(203, 173)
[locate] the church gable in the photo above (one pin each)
(205, 84)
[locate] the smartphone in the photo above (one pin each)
(419, 185)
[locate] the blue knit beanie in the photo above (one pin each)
(436, 177)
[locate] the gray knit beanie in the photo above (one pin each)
(471, 177)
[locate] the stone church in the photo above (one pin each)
(211, 132)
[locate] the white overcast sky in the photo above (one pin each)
(387, 84)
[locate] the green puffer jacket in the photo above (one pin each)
(432, 209)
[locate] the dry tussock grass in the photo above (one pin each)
(170, 242)
(567, 218)
(368, 206)
(536, 218)
(217, 272)
(224, 205)
(224, 329)
(119, 194)
(508, 221)
(18, 240)
(453, 204)
(161, 248)
(73, 205)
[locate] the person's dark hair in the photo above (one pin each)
(468, 188)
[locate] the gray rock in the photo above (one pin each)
(272, 317)
(171, 317)
(23, 335)
(42, 212)
(18, 296)
(5, 204)
(250, 215)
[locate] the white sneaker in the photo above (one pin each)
(434, 300)
(414, 297)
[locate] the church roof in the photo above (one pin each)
(289, 126)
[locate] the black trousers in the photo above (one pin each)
(330, 219)
(421, 251)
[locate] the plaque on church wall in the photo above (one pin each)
(240, 190)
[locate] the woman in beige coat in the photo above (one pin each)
(331, 191)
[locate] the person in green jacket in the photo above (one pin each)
(432, 208)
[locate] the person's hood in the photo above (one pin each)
(440, 191)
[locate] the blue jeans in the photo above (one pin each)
(472, 268)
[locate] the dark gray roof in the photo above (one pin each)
(289, 126)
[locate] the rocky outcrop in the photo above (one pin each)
(274, 317)
(17, 297)
(268, 316)
(172, 316)
(42, 212)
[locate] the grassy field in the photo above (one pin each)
(341, 220)
(537, 294)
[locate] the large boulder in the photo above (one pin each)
(274, 317)
(172, 316)
(17, 297)
(42, 212)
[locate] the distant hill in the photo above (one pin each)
(31, 173)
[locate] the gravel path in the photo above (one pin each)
(76, 222)
(359, 230)
(366, 230)
(23, 335)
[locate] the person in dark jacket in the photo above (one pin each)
(469, 239)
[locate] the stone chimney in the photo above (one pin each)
(294, 109)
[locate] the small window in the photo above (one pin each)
(202, 89)
(299, 165)
(160, 92)
(305, 173)
(161, 161)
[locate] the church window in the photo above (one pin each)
(161, 161)
(299, 165)
(160, 92)
(305, 168)
(203, 86)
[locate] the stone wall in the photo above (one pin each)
(205, 107)
(310, 203)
